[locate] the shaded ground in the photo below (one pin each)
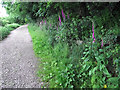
(18, 61)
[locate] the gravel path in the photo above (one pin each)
(18, 61)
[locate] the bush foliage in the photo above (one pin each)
(6, 25)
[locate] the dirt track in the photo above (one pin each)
(18, 61)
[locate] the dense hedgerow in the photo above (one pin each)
(68, 62)
(79, 66)
(79, 52)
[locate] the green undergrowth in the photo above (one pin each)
(54, 60)
(6, 26)
(13, 25)
(5, 31)
(76, 66)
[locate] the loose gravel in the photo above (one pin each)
(18, 63)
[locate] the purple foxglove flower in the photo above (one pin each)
(50, 25)
(93, 33)
(63, 15)
(94, 40)
(59, 21)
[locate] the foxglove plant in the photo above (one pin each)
(102, 43)
(93, 33)
(63, 15)
(59, 21)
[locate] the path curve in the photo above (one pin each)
(19, 64)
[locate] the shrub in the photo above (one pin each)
(13, 25)
(3, 21)
(4, 31)
(6, 25)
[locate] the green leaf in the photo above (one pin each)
(84, 66)
(113, 80)
(87, 67)
(86, 60)
(106, 72)
(101, 66)
(97, 58)
(71, 86)
(94, 69)
(90, 72)
(103, 79)
(101, 50)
